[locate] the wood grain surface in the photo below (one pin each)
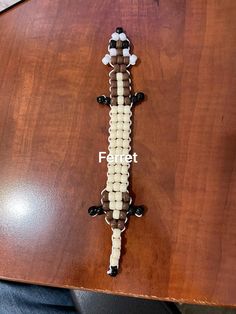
(51, 130)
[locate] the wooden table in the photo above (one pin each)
(51, 130)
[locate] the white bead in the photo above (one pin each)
(117, 168)
(109, 187)
(112, 151)
(116, 233)
(119, 142)
(117, 177)
(119, 205)
(115, 36)
(119, 126)
(106, 59)
(116, 187)
(125, 144)
(115, 253)
(126, 52)
(126, 126)
(126, 118)
(120, 117)
(120, 91)
(119, 151)
(113, 110)
(110, 178)
(113, 52)
(112, 143)
(111, 196)
(113, 126)
(125, 170)
(116, 214)
(133, 59)
(120, 108)
(112, 205)
(125, 134)
(113, 117)
(119, 76)
(118, 198)
(127, 109)
(111, 169)
(125, 151)
(122, 36)
(113, 134)
(120, 83)
(114, 261)
(120, 101)
(123, 187)
(124, 178)
(119, 133)
(116, 243)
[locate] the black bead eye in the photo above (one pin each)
(125, 44)
(119, 30)
(112, 44)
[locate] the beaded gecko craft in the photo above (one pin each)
(116, 202)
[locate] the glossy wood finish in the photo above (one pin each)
(51, 130)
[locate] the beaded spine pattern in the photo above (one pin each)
(116, 202)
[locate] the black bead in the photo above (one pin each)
(140, 96)
(134, 99)
(131, 210)
(100, 210)
(125, 44)
(139, 210)
(113, 271)
(119, 30)
(101, 99)
(107, 100)
(112, 44)
(92, 210)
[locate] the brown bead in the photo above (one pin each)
(122, 215)
(113, 60)
(121, 224)
(113, 91)
(120, 60)
(105, 196)
(112, 75)
(125, 75)
(119, 44)
(126, 60)
(123, 68)
(127, 101)
(116, 68)
(113, 101)
(119, 52)
(105, 205)
(113, 84)
(126, 83)
(126, 92)
(125, 197)
(109, 215)
(113, 223)
(125, 206)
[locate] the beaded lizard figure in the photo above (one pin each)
(116, 202)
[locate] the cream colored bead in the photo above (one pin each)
(111, 170)
(112, 151)
(115, 253)
(112, 205)
(110, 178)
(125, 144)
(127, 109)
(120, 117)
(113, 134)
(116, 233)
(120, 100)
(123, 187)
(114, 261)
(116, 214)
(113, 110)
(119, 142)
(126, 126)
(119, 151)
(116, 187)
(119, 205)
(112, 143)
(113, 118)
(113, 126)
(116, 243)
(117, 168)
(119, 76)
(125, 134)
(109, 187)
(119, 125)
(119, 133)
(111, 196)
(125, 170)
(120, 108)
(126, 118)
(120, 83)
(120, 91)
(125, 151)
(117, 177)
(118, 197)
(124, 178)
